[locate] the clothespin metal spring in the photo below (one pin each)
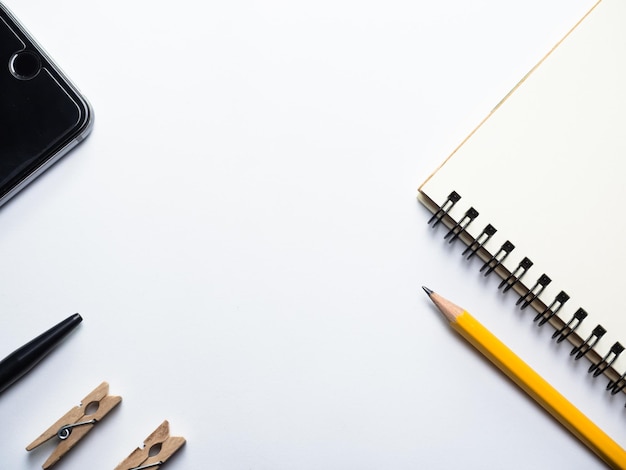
(150, 465)
(66, 430)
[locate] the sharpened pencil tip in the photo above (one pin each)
(427, 290)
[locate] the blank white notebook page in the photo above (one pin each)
(548, 167)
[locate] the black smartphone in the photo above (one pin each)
(42, 115)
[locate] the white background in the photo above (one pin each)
(241, 235)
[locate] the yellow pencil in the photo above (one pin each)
(531, 382)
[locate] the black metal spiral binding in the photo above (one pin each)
(438, 216)
(461, 225)
(616, 386)
(477, 244)
(514, 278)
(607, 360)
(552, 309)
(534, 292)
(570, 326)
(497, 259)
(516, 275)
(587, 345)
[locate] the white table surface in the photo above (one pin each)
(241, 235)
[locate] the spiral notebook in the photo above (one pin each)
(538, 192)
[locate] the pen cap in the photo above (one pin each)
(16, 364)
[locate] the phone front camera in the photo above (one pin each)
(25, 65)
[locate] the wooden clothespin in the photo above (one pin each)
(157, 448)
(77, 422)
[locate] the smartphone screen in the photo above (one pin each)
(42, 115)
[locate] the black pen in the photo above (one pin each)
(20, 361)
